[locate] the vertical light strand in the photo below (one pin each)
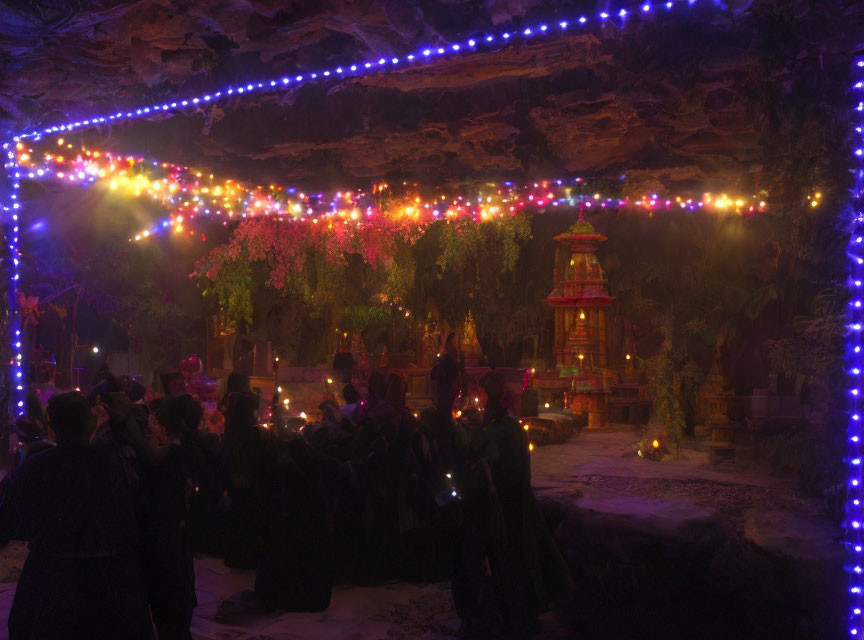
(855, 361)
(11, 209)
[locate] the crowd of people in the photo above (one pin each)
(134, 486)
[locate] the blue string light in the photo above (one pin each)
(369, 67)
(11, 208)
(855, 361)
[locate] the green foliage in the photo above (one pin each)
(346, 273)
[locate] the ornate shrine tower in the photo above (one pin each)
(580, 300)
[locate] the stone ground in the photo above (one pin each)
(594, 473)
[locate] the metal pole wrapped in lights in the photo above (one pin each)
(855, 363)
(10, 206)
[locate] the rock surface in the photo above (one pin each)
(686, 101)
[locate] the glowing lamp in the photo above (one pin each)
(329, 380)
(95, 349)
(546, 405)
(656, 444)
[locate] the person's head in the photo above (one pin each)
(493, 385)
(241, 411)
(70, 417)
(350, 394)
(180, 415)
(119, 407)
(451, 346)
(329, 412)
(135, 391)
(238, 383)
(173, 384)
(377, 386)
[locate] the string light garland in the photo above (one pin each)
(477, 43)
(190, 194)
(854, 513)
(10, 204)
(11, 211)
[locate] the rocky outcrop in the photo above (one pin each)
(662, 568)
(682, 103)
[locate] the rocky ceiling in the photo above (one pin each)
(685, 102)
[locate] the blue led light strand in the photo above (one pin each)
(423, 55)
(11, 209)
(855, 362)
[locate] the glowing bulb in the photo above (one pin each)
(546, 405)
(627, 356)
(95, 349)
(329, 380)
(303, 414)
(530, 446)
(656, 444)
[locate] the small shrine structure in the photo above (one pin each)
(580, 301)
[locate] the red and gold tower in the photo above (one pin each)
(580, 300)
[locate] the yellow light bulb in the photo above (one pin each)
(656, 444)
(329, 380)
(546, 405)
(530, 446)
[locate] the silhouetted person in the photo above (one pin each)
(166, 549)
(296, 571)
(242, 448)
(343, 362)
(527, 568)
(73, 504)
(31, 439)
(352, 400)
(447, 376)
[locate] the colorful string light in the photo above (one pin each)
(854, 513)
(487, 42)
(190, 194)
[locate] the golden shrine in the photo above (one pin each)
(580, 300)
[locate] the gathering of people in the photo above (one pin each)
(116, 491)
